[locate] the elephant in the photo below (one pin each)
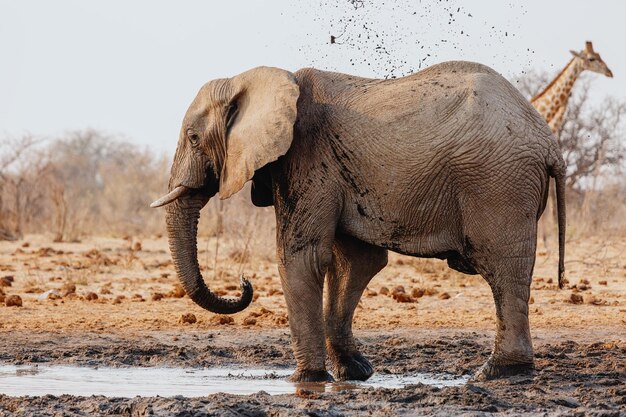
(450, 163)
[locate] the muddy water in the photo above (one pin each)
(130, 382)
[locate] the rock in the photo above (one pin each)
(157, 296)
(6, 281)
(383, 291)
(603, 282)
(118, 299)
(13, 301)
(188, 318)
(444, 296)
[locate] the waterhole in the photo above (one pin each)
(188, 382)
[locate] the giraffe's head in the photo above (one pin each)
(592, 61)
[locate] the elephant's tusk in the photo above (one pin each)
(173, 195)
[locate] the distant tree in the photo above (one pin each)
(593, 136)
(21, 166)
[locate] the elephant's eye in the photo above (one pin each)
(193, 136)
(231, 114)
(592, 59)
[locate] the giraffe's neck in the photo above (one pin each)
(556, 94)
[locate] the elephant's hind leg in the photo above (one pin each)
(509, 277)
(353, 265)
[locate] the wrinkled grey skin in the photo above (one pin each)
(451, 163)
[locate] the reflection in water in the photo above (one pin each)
(189, 382)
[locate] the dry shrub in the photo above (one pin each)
(84, 183)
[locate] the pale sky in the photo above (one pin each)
(133, 67)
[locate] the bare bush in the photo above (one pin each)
(84, 183)
(21, 166)
(88, 182)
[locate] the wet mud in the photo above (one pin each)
(585, 377)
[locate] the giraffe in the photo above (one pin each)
(551, 102)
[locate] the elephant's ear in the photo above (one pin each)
(262, 129)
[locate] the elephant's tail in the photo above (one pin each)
(557, 171)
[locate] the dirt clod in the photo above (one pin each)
(417, 292)
(222, 320)
(67, 289)
(576, 298)
(136, 246)
(249, 321)
(188, 318)
(13, 301)
(402, 297)
(91, 296)
(138, 298)
(177, 291)
(305, 393)
(119, 299)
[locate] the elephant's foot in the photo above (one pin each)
(351, 366)
(493, 370)
(304, 375)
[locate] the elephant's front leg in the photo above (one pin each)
(353, 265)
(302, 275)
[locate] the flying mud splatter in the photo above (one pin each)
(392, 39)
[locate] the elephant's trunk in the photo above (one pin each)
(182, 228)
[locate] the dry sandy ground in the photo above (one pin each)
(117, 302)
